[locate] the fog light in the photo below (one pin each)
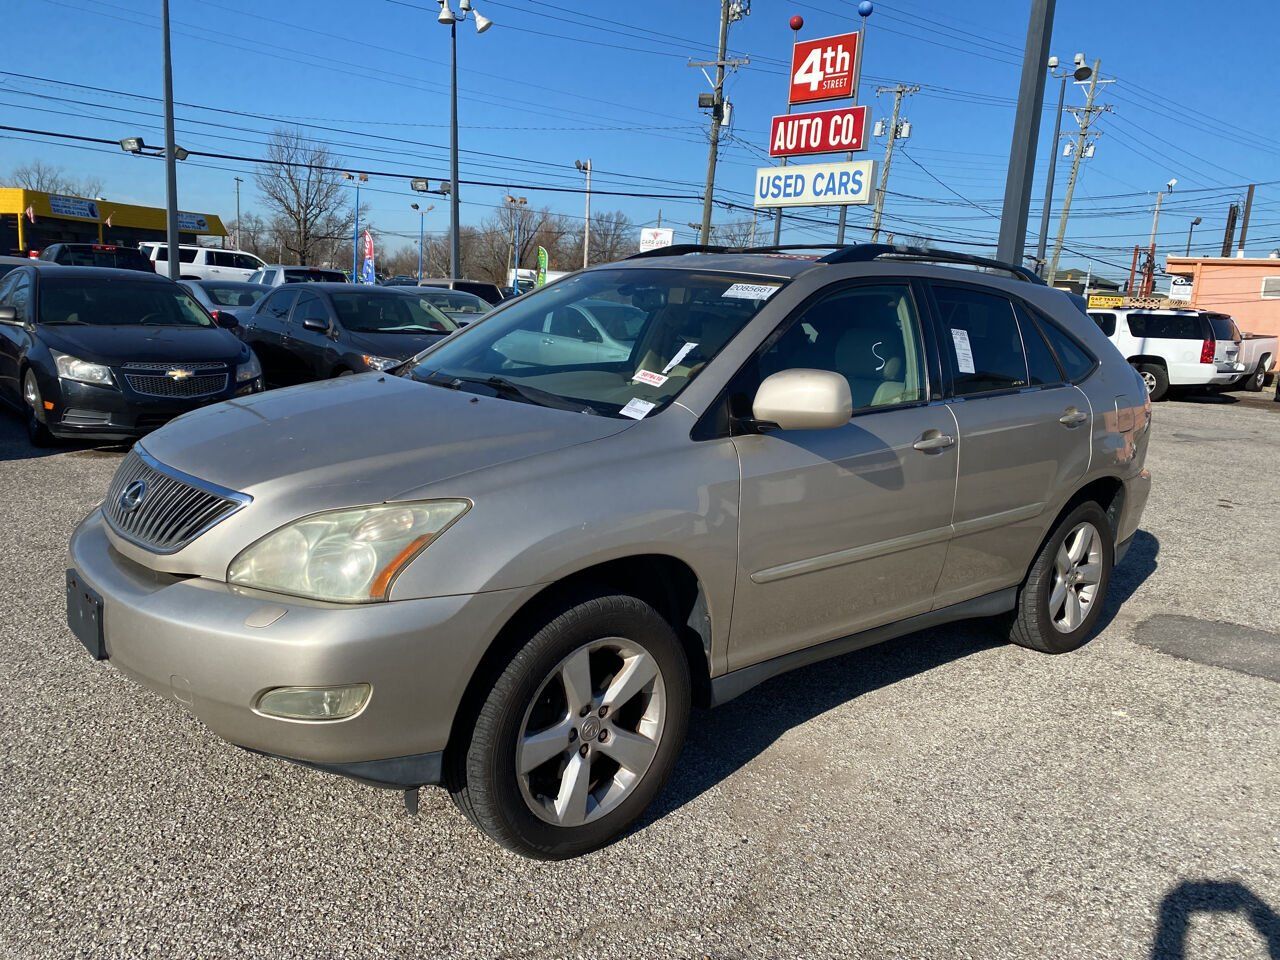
(315, 703)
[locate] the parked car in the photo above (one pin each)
(1258, 354)
(486, 291)
(96, 255)
(515, 578)
(332, 329)
(460, 307)
(275, 274)
(594, 331)
(400, 280)
(12, 263)
(1175, 348)
(229, 302)
(111, 354)
(203, 263)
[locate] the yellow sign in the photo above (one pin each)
(1105, 301)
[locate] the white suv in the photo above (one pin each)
(203, 263)
(1175, 348)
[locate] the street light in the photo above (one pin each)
(359, 178)
(1194, 223)
(584, 166)
(516, 204)
(1080, 71)
(421, 232)
(483, 23)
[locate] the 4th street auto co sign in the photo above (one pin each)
(822, 69)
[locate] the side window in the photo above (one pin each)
(1042, 368)
(242, 261)
(5, 286)
(20, 298)
(1075, 361)
(276, 307)
(567, 322)
(219, 259)
(980, 338)
(270, 277)
(868, 334)
(310, 307)
(187, 255)
(1106, 322)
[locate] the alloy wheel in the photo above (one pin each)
(1077, 570)
(591, 732)
(31, 392)
(1150, 380)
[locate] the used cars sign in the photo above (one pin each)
(815, 184)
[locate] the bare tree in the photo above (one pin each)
(306, 196)
(45, 177)
(613, 236)
(741, 233)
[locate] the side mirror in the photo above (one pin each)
(9, 315)
(803, 400)
(314, 323)
(227, 321)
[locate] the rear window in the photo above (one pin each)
(234, 294)
(314, 276)
(184, 255)
(1166, 326)
(1224, 328)
(485, 291)
(125, 258)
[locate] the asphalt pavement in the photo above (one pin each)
(943, 795)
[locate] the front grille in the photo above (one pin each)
(194, 379)
(161, 509)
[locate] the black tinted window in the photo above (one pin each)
(20, 298)
(1224, 328)
(980, 337)
(233, 294)
(311, 307)
(1106, 322)
(1166, 326)
(276, 307)
(124, 258)
(93, 301)
(1075, 361)
(1042, 368)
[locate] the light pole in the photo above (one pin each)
(239, 180)
(421, 233)
(1194, 223)
(1149, 269)
(170, 156)
(516, 204)
(359, 178)
(1080, 71)
(483, 23)
(584, 166)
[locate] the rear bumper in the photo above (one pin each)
(1203, 374)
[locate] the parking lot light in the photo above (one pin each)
(132, 145)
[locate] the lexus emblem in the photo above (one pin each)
(132, 496)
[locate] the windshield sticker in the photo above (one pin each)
(680, 355)
(751, 291)
(964, 352)
(637, 409)
(649, 377)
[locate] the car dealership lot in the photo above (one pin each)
(942, 795)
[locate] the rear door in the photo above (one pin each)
(313, 351)
(1023, 436)
(267, 332)
(846, 529)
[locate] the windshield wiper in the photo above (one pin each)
(513, 391)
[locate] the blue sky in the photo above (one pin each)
(553, 82)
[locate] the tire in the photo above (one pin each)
(1258, 379)
(37, 432)
(536, 812)
(1156, 378)
(1043, 622)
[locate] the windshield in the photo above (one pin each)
(610, 342)
(304, 275)
(104, 256)
(234, 294)
(370, 311)
(451, 301)
(113, 302)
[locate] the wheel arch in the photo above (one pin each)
(1138, 358)
(1106, 491)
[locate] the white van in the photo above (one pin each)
(203, 263)
(1175, 348)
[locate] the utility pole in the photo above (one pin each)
(1080, 71)
(1244, 221)
(730, 12)
(1026, 133)
(1229, 235)
(1149, 266)
(892, 133)
(1084, 118)
(584, 166)
(239, 180)
(170, 158)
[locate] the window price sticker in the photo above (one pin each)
(964, 352)
(637, 409)
(751, 291)
(651, 378)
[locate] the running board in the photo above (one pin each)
(727, 686)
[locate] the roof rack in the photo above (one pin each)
(854, 253)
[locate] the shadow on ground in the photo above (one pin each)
(15, 446)
(1212, 897)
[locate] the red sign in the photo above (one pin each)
(824, 131)
(825, 69)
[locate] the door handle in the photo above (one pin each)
(939, 441)
(1073, 418)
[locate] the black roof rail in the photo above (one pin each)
(678, 249)
(864, 252)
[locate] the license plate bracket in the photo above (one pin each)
(84, 615)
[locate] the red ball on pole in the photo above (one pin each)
(797, 22)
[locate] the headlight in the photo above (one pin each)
(73, 368)
(251, 369)
(380, 363)
(348, 556)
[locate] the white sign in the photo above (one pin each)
(1180, 288)
(73, 207)
(192, 223)
(652, 238)
(964, 351)
(815, 184)
(751, 291)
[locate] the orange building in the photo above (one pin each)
(1247, 288)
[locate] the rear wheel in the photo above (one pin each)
(578, 733)
(1061, 599)
(37, 432)
(1156, 379)
(1258, 379)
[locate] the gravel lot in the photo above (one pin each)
(939, 796)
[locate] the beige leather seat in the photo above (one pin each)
(870, 358)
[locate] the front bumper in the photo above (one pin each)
(215, 649)
(103, 413)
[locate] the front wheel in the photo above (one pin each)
(579, 732)
(1061, 599)
(37, 432)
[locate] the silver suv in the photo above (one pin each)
(512, 565)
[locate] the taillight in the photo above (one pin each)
(1207, 350)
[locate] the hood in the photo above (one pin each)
(113, 346)
(397, 346)
(361, 439)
